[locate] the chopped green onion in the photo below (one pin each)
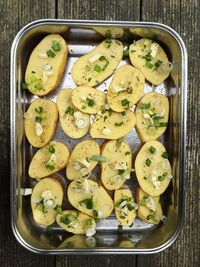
(95, 213)
(38, 86)
(24, 86)
(149, 65)
(158, 63)
(102, 109)
(165, 155)
(87, 68)
(162, 124)
(83, 107)
(97, 68)
(106, 64)
(120, 172)
(50, 53)
(50, 166)
(105, 118)
(97, 158)
(126, 52)
(165, 174)
(150, 217)
(69, 110)
(52, 149)
(145, 178)
(90, 102)
(118, 143)
(125, 102)
(130, 207)
(144, 201)
(152, 150)
(56, 46)
(148, 162)
(118, 124)
(129, 90)
(147, 57)
(145, 105)
(102, 58)
(58, 209)
(161, 178)
(123, 113)
(127, 153)
(89, 79)
(39, 109)
(89, 223)
(88, 203)
(108, 34)
(68, 218)
(38, 119)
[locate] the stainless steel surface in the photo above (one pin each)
(81, 38)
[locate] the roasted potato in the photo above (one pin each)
(88, 99)
(90, 198)
(149, 208)
(109, 32)
(48, 160)
(112, 125)
(127, 83)
(40, 122)
(125, 208)
(73, 122)
(46, 65)
(152, 168)
(149, 57)
(46, 199)
(83, 160)
(94, 67)
(117, 166)
(76, 222)
(152, 115)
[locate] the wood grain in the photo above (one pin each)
(14, 15)
(183, 17)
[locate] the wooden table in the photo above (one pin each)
(182, 15)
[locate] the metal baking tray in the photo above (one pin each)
(81, 38)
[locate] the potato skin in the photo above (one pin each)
(37, 167)
(67, 120)
(87, 92)
(113, 155)
(36, 70)
(139, 53)
(131, 81)
(48, 124)
(83, 150)
(81, 226)
(157, 167)
(84, 71)
(56, 189)
(159, 103)
(101, 199)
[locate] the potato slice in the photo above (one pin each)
(125, 208)
(149, 57)
(76, 222)
(46, 65)
(49, 160)
(40, 122)
(152, 168)
(90, 198)
(112, 125)
(88, 99)
(149, 208)
(96, 66)
(47, 195)
(109, 32)
(80, 165)
(117, 167)
(127, 83)
(73, 122)
(152, 115)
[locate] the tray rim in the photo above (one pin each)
(183, 132)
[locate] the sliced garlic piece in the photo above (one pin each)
(120, 166)
(154, 49)
(81, 122)
(47, 67)
(123, 204)
(38, 129)
(42, 54)
(94, 58)
(106, 131)
(52, 158)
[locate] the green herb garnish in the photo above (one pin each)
(129, 90)
(58, 209)
(90, 102)
(161, 178)
(97, 158)
(118, 143)
(38, 119)
(52, 149)
(56, 46)
(87, 68)
(95, 213)
(97, 68)
(149, 65)
(50, 53)
(89, 223)
(83, 107)
(127, 153)
(158, 63)
(68, 218)
(120, 172)
(152, 150)
(165, 155)
(147, 57)
(87, 202)
(145, 105)
(123, 113)
(38, 86)
(118, 124)
(39, 109)
(125, 102)
(69, 110)
(148, 162)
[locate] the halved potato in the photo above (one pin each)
(46, 65)
(152, 168)
(47, 195)
(117, 167)
(48, 160)
(127, 83)
(80, 164)
(76, 222)
(152, 115)
(149, 208)
(90, 198)
(73, 122)
(149, 57)
(40, 122)
(109, 32)
(125, 208)
(88, 99)
(94, 67)
(112, 125)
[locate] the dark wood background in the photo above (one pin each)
(184, 17)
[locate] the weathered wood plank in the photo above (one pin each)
(183, 17)
(14, 15)
(102, 10)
